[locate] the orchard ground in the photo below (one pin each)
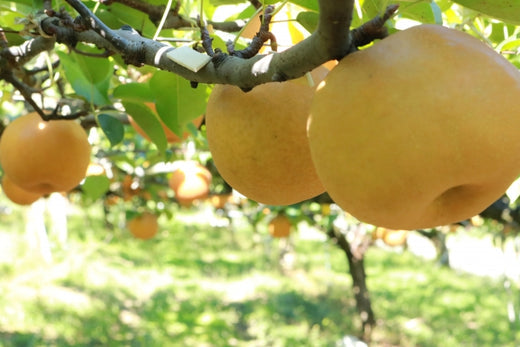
(202, 283)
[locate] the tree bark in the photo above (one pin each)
(357, 272)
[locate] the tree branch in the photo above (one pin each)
(16, 56)
(99, 27)
(331, 40)
(174, 20)
(373, 29)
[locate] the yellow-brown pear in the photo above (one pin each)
(419, 130)
(259, 143)
(44, 156)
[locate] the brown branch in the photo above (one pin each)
(174, 20)
(331, 40)
(155, 12)
(19, 55)
(37, 70)
(207, 41)
(24, 90)
(3, 40)
(359, 284)
(12, 60)
(56, 115)
(135, 4)
(92, 22)
(256, 4)
(373, 29)
(82, 29)
(259, 39)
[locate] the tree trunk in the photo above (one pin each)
(359, 285)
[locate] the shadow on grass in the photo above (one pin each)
(17, 339)
(416, 303)
(272, 318)
(436, 306)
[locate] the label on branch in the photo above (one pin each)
(189, 58)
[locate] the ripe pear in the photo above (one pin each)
(418, 130)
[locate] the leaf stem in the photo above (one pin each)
(201, 13)
(163, 19)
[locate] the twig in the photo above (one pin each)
(55, 115)
(24, 89)
(259, 39)
(207, 41)
(98, 26)
(373, 29)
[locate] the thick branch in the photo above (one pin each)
(99, 27)
(12, 60)
(331, 40)
(18, 55)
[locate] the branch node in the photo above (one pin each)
(218, 58)
(261, 37)
(373, 29)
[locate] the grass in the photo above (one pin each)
(199, 285)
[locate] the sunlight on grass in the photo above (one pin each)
(197, 285)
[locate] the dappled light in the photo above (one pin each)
(126, 290)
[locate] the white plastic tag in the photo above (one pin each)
(188, 58)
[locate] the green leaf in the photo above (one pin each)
(24, 7)
(137, 92)
(511, 45)
(112, 127)
(371, 8)
(309, 20)
(500, 33)
(505, 10)
(95, 187)
(136, 19)
(247, 13)
(177, 102)
(424, 12)
(311, 5)
(148, 121)
(89, 76)
(11, 21)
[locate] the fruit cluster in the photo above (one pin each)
(416, 131)
(41, 157)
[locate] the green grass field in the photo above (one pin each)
(200, 285)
